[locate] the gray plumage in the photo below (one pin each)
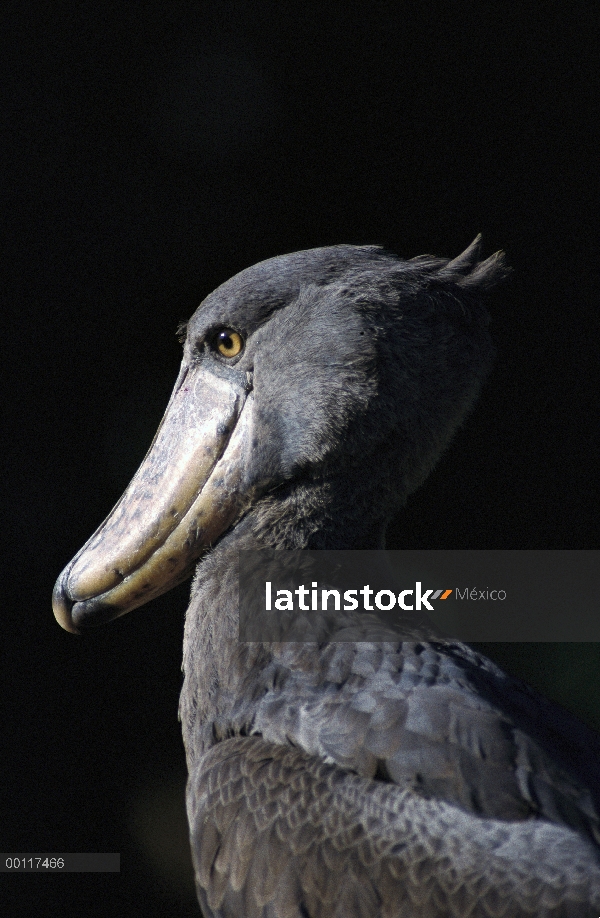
(396, 779)
(359, 778)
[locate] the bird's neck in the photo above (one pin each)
(218, 667)
(347, 510)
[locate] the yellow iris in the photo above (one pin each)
(229, 343)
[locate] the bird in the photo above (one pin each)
(354, 775)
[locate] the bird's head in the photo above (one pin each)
(343, 368)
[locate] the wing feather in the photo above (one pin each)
(348, 845)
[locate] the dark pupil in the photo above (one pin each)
(225, 340)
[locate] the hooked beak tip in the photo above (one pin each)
(62, 604)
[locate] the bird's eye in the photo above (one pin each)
(228, 342)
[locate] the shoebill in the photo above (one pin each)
(339, 779)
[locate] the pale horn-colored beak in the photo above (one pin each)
(183, 497)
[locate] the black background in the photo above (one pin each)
(151, 151)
